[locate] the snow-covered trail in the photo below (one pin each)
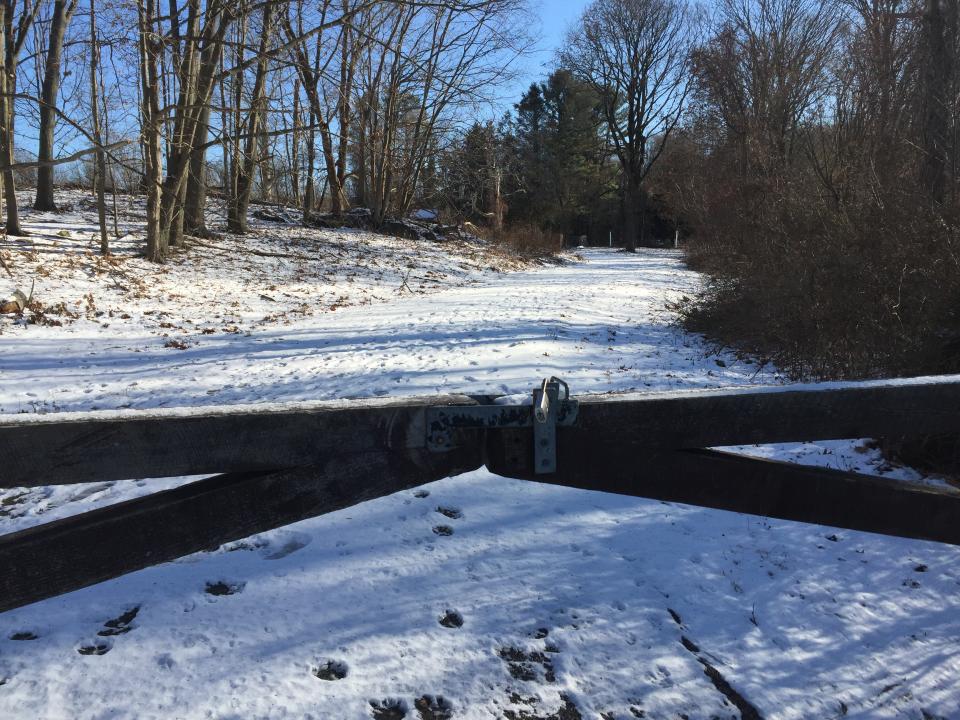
(601, 325)
(509, 599)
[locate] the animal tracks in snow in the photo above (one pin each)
(428, 707)
(121, 624)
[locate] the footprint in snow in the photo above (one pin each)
(24, 635)
(388, 709)
(224, 588)
(286, 544)
(450, 512)
(451, 619)
(331, 670)
(120, 624)
(443, 530)
(95, 647)
(433, 707)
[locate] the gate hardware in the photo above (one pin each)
(548, 411)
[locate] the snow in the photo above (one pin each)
(634, 596)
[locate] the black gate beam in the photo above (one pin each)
(102, 544)
(725, 481)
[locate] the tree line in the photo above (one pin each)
(807, 151)
(816, 170)
(327, 104)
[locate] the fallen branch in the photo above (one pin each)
(403, 284)
(260, 253)
(5, 266)
(62, 161)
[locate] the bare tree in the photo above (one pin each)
(423, 66)
(195, 204)
(939, 48)
(635, 54)
(14, 26)
(100, 165)
(766, 70)
(198, 58)
(150, 48)
(62, 13)
(315, 60)
(244, 167)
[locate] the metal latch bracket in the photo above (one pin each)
(552, 407)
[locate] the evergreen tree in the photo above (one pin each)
(565, 170)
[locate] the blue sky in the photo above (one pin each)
(555, 17)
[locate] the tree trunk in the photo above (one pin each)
(62, 13)
(150, 124)
(295, 144)
(194, 220)
(186, 61)
(937, 78)
(309, 191)
(100, 165)
(196, 75)
(7, 78)
(631, 207)
(246, 166)
(496, 197)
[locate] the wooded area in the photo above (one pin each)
(804, 149)
(326, 105)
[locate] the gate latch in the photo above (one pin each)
(552, 406)
(546, 408)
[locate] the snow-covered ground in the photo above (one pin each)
(542, 602)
